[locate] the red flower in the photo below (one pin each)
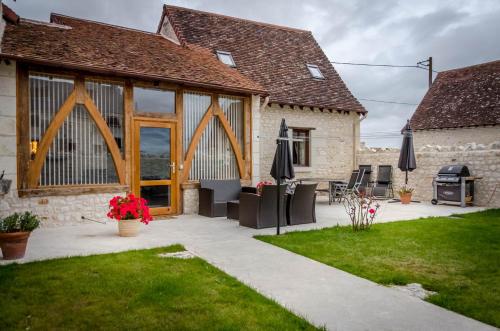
(129, 207)
(371, 211)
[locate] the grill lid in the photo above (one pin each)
(456, 170)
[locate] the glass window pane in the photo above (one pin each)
(226, 58)
(214, 157)
(78, 154)
(155, 153)
(108, 98)
(300, 147)
(156, 196)
(148, 100)
(315, 71)
(47, 94)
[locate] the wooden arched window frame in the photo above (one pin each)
(241, 152)
(30, 166)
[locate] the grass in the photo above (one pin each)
(135, 290)
(458, 257)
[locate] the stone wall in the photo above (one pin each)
(190, 201)
(456, 137)
(59, 210)
(482, 161)
(334, 140)
(8, 120)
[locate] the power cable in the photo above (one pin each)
(419, 65)
(392, 102)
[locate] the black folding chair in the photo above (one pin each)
(352, 186)
(382, 187)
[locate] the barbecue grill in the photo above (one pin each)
(453, 183)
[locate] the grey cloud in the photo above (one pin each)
(455, 32)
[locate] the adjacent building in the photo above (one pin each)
(461, 107)
(89, 110)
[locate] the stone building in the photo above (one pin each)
(89, 110)
(461, 107)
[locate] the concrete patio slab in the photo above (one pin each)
(324, 295)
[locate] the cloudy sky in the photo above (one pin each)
(455, 33)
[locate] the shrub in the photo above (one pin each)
(361, 210)
(17, 222)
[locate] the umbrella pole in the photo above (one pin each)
(406, 177)
(278, 186)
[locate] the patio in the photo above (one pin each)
(322, 294)
(95, 238)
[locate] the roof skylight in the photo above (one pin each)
(315, 72)
(226, 58)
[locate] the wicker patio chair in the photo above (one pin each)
(302, 205)
(260, 211)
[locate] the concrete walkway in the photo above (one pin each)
(324, 295)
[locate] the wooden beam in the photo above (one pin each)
(48, 137)
(107, 135)
(128, 105)
(22, 126)
(179, 111)
(197, 136)
(247, 135)
(232, 139)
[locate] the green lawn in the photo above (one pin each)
(459, 257)
(135, 290)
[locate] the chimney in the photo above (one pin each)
(7, 15)
(2, 24)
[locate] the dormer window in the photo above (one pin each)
(226, 58)
(315, 72)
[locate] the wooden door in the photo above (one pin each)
(154, 166)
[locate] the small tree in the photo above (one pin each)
(361, 210)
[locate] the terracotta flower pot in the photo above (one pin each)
(14, 244)
(405, 198)
(128, 228)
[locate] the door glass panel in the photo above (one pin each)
(155, 153)
(148, 100)
(156, 196)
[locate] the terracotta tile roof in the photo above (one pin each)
(462, 97)
(81, 44)
(9, 15)
(271, 55)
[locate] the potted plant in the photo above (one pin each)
(130, 212)
(260, 185)
(405, 193)
(15, 230)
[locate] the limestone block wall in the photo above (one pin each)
(190, 201)
(256, 118)
(8, 120)
(455, 137)
(482, 161)
(334, 140)
(60, 210)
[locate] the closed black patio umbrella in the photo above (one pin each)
(407, 161)
(282, 165)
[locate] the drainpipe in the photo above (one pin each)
(356, 131)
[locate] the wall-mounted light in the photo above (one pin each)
(33, 147)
